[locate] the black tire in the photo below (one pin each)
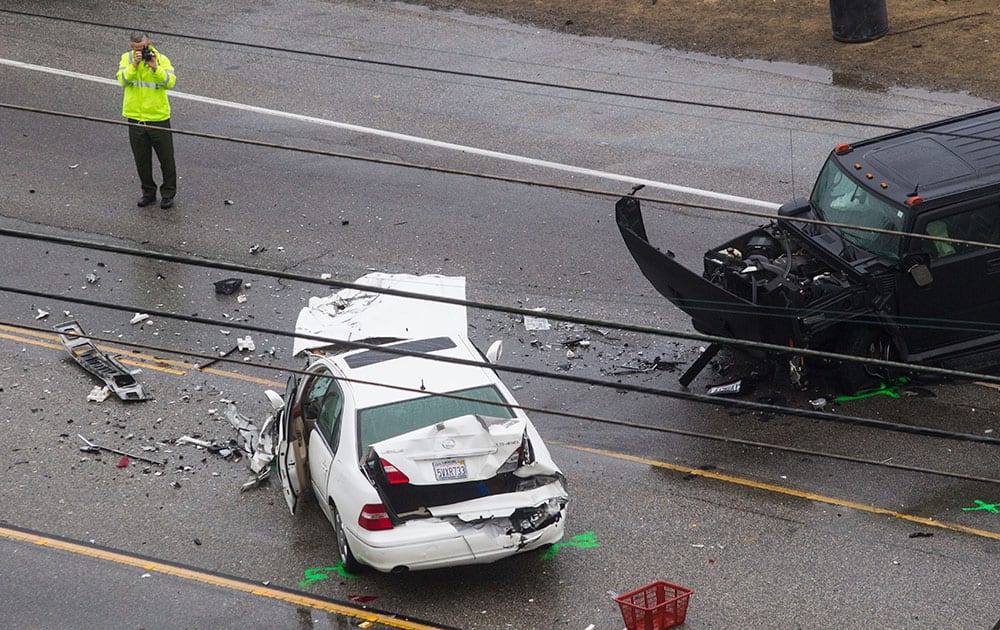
(869, 343)
(347, 559)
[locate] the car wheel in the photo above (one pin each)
(347, 559)
(868, 343)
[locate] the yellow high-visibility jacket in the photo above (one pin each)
(145, 89)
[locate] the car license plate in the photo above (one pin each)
(450, 469)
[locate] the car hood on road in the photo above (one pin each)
(358, 315)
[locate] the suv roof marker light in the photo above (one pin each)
(869, 176)
(841, 149)
(857, 166)
(914, 200)
(884, 185)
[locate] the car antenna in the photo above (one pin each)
(422, 388)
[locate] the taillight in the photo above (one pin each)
(373, 517)
(393, 474)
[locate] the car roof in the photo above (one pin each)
(416, 373)
(950, 158)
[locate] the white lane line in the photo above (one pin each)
(708, 194)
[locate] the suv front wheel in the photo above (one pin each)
(867, 343)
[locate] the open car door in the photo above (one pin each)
(292, 464)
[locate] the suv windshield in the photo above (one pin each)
(839, 199)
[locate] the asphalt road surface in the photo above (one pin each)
(756, 518)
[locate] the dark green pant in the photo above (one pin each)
(146, 137)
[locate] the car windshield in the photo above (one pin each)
(838, 198)
(387, 421)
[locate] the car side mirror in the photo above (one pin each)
(494, 352)
(277, 402)
(921, 274)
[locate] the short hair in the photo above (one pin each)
(137, 36)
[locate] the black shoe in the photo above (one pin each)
(145, 201)
(167, 202)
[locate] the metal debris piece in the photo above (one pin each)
(228, 286)
(258, 443)
(92, 278)
(138, 317)
(91, 447)
(106, 368)
(729, 388)
(41, 314)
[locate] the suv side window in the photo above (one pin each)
(981, 223)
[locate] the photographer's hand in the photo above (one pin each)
(151, 62)
(136, 58)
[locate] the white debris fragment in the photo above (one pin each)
(241, 298)
(74, 165)
(138, 317)
(536, 323)
(226, 332)
(92, 278)
(570, 354)
(41, 314)
(99, 394)
(245, 343)
(325, 276)
(187, 439)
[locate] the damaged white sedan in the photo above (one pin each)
(416, 462)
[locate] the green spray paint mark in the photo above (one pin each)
(585, 540)
(314, 575)
(992, 508)
(891, 391)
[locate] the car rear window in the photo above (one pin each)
(387, 421)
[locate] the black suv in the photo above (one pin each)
(893, 256)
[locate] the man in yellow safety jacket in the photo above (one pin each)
(146, 74)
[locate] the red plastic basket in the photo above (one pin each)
(656, 606)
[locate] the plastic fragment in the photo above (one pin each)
(138, 317)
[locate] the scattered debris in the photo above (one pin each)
(818, 403)
(138, 317)
(123, 462)
(921, 534)
(362, 599)
(258, 443)
(106, 368)
(41, 314)
(229, 202)
(228, 286)
(644, 366)
(91, 447)
(92, 278)
(241, 298)
(257, 248)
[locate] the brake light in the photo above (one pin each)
(374, 518)
(393, 474)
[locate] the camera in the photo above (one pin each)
(147, 53)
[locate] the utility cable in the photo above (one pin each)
(532, 408)
(727, 341)
(509, 180)
(755, 406)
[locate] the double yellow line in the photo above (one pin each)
(128, 357)
(215, 580)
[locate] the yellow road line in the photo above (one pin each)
(214, 580)
(809, 496)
